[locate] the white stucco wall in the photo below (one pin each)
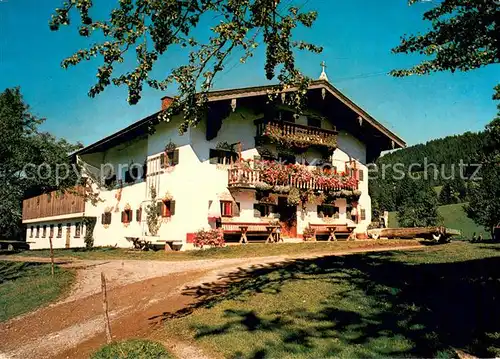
(193, 182)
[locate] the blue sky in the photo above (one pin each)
(357, 36)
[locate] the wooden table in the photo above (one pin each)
(244, 230)
(273, 234)
(331, 230)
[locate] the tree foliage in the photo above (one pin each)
(443, 154)
(152, 28)
(21, 144)
(419, 207)
(464, 36)
(484, 205)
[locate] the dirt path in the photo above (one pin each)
(139, 292)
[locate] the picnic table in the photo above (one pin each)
(139, 243)
(331, 230)
(274, 234)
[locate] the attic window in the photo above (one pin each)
(110, 181)
(169, 158)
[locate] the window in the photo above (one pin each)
(314, 122)
(128, 177)
(326, 167)
(31, 232)
(328, 211)
(110, 181)
(286, 159)
(77, 229)
(263, 210)
(229, 209)
(287, 116)
(165, 209)
(106, 218)
(51, 233)
(37, 231)
(127, 216)
(59, 230)
(362, 214)
(169, 158)
(44, 231)
(138, 214)
(222, 157)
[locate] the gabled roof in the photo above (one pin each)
(138, 127)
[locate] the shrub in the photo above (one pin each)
(210, 238)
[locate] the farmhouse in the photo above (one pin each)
(249, 165)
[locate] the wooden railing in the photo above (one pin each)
(290, 128)
(248, 178)
(53, 204)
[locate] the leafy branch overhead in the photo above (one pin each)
(152, 28)
(465, 35)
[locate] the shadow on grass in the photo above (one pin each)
(432, 306)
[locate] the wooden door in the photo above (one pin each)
(288, 218)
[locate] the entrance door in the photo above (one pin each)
(288, 218)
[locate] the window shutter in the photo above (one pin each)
(138, 214)
(108, 220)
(361, 175)
(159, 208)
(145, 169)
(363, 214)
(172, 208)
(236, 209)
(256, 211)
(123, 217)
(176, 157)
(103, 218)
(162, 160)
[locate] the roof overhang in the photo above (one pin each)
(141, 127)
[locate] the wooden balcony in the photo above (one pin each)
(249, 178)
(52, 204)
(296, 132)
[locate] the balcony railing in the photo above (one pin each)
(297, 134)
(240, 177)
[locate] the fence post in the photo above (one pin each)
(105, 308)
(51, 257)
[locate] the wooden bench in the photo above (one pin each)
(246, 229)
(332, 230)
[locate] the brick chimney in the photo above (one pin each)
(166, 101)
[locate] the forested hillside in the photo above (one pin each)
(435, 164)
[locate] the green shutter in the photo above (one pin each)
(176, 157)
(172, 208)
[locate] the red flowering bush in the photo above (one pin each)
(210, 238)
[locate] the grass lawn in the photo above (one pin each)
(27, 286)
(237, 251)
(453, 217)
(132, 349)
(388, 304)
